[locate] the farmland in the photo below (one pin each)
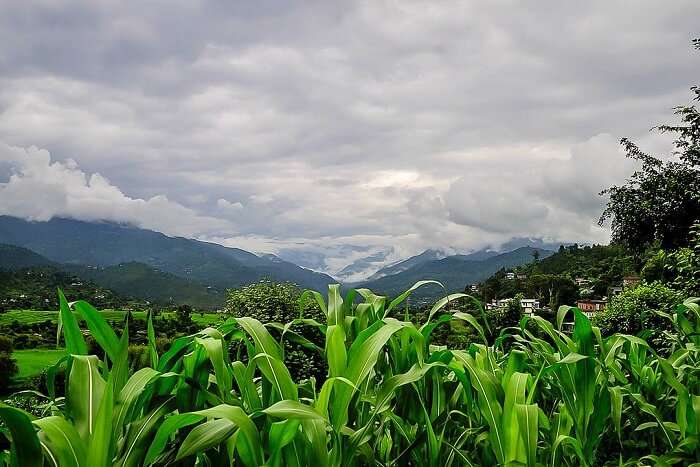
(40, 316)
(33, 362)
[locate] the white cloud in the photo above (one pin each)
(39, 189)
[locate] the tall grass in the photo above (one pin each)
(391, 398)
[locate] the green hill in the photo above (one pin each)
(29, 280)
(141, 281)
(14, 257)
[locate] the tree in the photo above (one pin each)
(272, 302)
(8, 365)
(661, 200)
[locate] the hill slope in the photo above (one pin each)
(14, 257)
(36, 277)
(141, 281)
(454, 272)
(107, 244)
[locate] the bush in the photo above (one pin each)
(636, 310)
(8, 369)
(273, 302)
(6, 344)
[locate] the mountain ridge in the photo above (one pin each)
(104, 244)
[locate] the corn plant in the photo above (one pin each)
(389, 398)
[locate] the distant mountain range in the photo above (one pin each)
(166, 266)
(105, 244)
(454, 272)
(150, 265)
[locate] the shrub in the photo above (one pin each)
(8, 369)
(637, 309)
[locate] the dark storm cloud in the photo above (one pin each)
(268, 123)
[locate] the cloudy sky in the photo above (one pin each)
(329, 131)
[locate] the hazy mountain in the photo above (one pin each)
(357, 270)
(427, 255)
(454, 272)
(106, 244)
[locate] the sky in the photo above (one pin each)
(329, 132)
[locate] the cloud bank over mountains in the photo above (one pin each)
(333, 131)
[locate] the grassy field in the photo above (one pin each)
(32, 316)
(31, 362)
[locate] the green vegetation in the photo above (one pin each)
(33, 362)
(8, 365)
(552, 280)
(390, 398)
(35, 288)
(34, 316)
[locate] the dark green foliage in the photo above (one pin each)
(8, 365)
(13, 258)
(636, 309)
(143, 282)
(273, 302)
(551, 280)
(35, 289)
(680, 268)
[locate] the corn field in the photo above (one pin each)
(537, 396)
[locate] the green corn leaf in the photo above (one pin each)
(140, 432)
(152, 348)
(527, 415)
(84, 394)
(26, 448)
(336, 353)
(398, 300)
(616, 399)
(215, 352)
(101, 445)
(99, 328)
(166, 429)
(68, 324)
(63, 441)
(292, 410)
(206, 436)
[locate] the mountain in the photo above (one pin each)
(134, 280)
(141, 281)
(14, 257)
(358, 268)
(105, 244)
(427, 255)
(454, 272)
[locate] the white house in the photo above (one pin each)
(529, 305)
(510, 276)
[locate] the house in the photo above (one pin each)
(522, 277)
(580, 281)
(510, 276)
(630, 281)
(529, 305)
(591, 307)
(474, 287)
